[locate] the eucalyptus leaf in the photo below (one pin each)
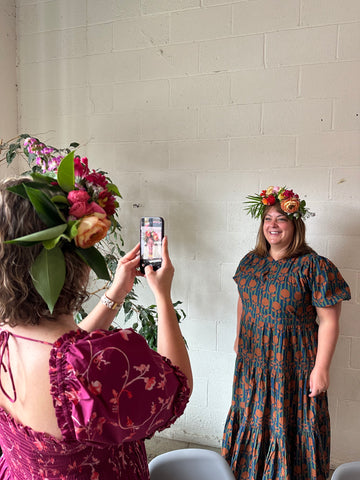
(66, 172)
(37, 237)
(48, 275)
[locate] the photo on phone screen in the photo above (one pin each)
(151, 235)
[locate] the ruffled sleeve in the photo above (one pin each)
(110, 388)
(326, 283)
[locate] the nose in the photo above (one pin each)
(273, 222)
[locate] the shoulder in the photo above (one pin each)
(314, 262)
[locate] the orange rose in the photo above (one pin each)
(290, 205)
(92, 229)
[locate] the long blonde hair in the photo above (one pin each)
(297, 246)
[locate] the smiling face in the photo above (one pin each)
(278, 230)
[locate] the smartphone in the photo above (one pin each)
(151, 235)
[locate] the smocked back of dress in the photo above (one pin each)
(28, 454)
(110, 392)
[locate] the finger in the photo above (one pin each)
(132, 253)
(165, 250)
(148, 270)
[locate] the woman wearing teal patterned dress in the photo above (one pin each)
(289, 306)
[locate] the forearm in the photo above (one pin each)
(101, 317)
(327, 338)
(170, 341)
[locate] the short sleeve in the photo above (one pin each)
(113, 388)
(246, 264)
(326, 283)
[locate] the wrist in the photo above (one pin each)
(116, 295)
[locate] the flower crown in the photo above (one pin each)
(290, 203)
(151, 234)
(76, 204)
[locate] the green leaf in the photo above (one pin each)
(66, 173)
(113, 189)
(73, 231)
(19, 190)
(44, 207)
(92, 257)
(60, 199)
(47, 179)
(42, 236)
(48, 275)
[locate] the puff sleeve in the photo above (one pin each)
(110, 388)
(326, 283)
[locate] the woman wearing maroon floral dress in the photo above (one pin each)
(77, 401)
(278, 425)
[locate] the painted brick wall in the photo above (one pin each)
(192, 105)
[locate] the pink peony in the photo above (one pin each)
(76, 196)
(80, 209)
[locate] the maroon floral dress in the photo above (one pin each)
(110, 392)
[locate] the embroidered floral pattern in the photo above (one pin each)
(110, 392)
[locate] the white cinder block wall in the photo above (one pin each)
(192, 105)
(8, 101)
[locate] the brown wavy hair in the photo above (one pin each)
(20, 303)
(297, 246)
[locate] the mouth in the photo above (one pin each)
(274, 232)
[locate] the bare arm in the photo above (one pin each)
(239, 313)
(170, 341)
(327, 339)
(101, 316)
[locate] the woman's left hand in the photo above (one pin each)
(319, 381)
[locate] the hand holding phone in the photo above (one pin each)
(151, 235)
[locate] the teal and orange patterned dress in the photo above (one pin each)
(274, 430)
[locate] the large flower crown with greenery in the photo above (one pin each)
(78, 207)
(289, 201)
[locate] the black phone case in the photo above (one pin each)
(156, 262)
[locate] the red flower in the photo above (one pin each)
(81, 166)
(107, 202)
(289, 194)
(97, 179)
(263, 193)
(270, 200)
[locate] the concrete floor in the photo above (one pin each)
(157, 445)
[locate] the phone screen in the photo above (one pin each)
(151, 235)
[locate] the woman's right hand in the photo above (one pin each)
(126, 271)
(160, 280)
